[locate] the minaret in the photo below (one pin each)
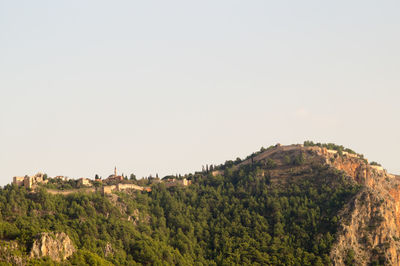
(115, 171)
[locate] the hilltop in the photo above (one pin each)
(65, 186)
(311, 204)
(370, 225)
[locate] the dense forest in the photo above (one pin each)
(242, 215)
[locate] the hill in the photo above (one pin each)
(311, 204)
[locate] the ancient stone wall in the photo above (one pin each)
(129, 186)
(108, 189)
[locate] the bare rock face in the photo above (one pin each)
(370, 223)
(368, 230)
(57, 246)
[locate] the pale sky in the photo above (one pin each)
(168, 86)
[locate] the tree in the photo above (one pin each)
(349, 260)
(299, 159)
(132, 177)
(270, 164)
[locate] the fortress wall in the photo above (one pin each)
(377, 167)
(108, 189)
(129, 186)
(18, 180)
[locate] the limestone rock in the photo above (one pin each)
(57, 246)
(108, 250)
(369, 229)
(9, 253)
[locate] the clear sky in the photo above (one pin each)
(168, 86)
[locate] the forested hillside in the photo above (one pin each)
(279, 210)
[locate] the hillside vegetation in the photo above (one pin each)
(280, 210)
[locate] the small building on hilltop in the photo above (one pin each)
(29, 181)
(18, 180)
(177, 182)
(114, 178)
(62, 178)
(32, 181)
(84, 182)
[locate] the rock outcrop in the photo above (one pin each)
(57, 246)
(368, 230)
(108, 250)
(9, 253)
(370, 224)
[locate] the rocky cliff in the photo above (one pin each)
(57, 246)
(370, 224)
(369, 230)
